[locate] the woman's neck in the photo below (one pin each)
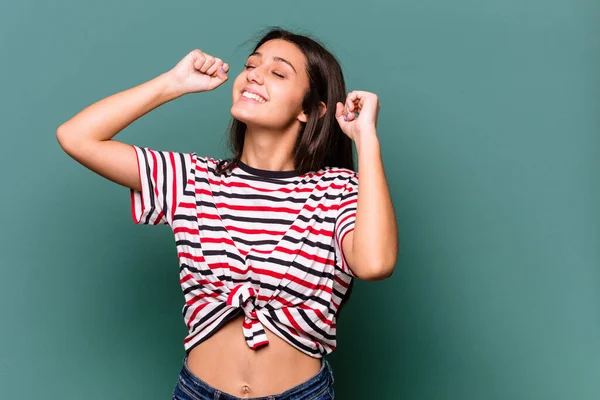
(271, 151)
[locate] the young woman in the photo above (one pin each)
(269, 240)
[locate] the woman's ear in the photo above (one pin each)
(322, 109)
(303, 117)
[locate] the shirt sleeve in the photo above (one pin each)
(345, 220)
(163, 179)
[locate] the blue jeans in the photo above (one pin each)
(319, 387)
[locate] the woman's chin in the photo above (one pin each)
(244, 116)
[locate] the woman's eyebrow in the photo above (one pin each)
(256, 53)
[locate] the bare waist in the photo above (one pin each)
(225, 362)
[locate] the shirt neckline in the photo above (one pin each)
(266, 172)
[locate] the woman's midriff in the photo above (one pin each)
(225, 362)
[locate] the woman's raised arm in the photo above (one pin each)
(88, 136)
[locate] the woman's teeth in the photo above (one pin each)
(253, 97)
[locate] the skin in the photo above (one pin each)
(224, 360)
(272, 127)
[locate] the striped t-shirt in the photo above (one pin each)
(265, 243)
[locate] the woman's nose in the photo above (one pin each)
(255, 74)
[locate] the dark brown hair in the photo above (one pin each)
(320, 141)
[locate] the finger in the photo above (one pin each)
(353, 104)
(207, 64)
(221, 72)
(199, 60)
(346, 112)
(212, 71)
(350, 107)
(342, 113)
(339, 109)
(350, 116)
(196, 53)
(339, 112)
(357, 98)
(353, 97)
(350, 102)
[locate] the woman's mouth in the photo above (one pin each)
(254, 98)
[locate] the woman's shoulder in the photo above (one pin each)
(208, 160)
(341, 172)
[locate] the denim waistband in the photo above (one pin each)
(189, 382)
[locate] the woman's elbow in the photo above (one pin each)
(377, 271)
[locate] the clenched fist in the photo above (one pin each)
(199, 72)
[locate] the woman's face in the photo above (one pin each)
(277, 73)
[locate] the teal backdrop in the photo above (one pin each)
(489, 126)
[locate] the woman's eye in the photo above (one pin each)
(252, 66)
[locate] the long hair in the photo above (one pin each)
(320, 140)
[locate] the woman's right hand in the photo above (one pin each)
(199, 72)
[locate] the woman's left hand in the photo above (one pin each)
(367, 106)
